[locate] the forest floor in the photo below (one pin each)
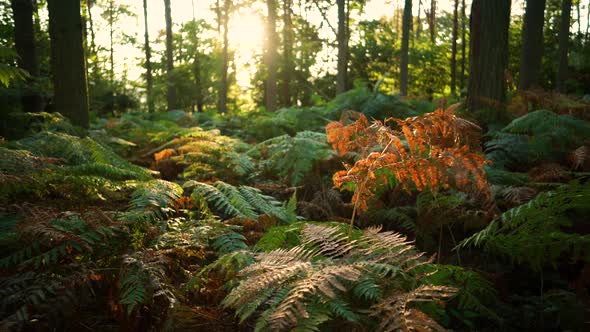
(177, 221)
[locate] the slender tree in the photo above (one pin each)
(419, 20)
(532, 44)
(67, 60)
(341, 76)
(564, 35)
(463, 43)
(271, 56)
(222, 107)
(93, 50)
(406, 26)
(488, 53)
(197, 69)
(432, 21)
(25, 44)
(171, 89)
(148, 61)
(454, 49)
(288, 70)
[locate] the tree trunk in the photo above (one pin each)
(419, 20)
(271, 56)
(454, 49)
(341, 76)
(564, 38)
(489, 54)
(532, 44)
(171, 89)
(222, 107)
(148, 62)
(111, 49)
(67, 60)
(93, 50)
(463, 43)
(406, 25)
(288, 70)
(25, 44)
(433, 21)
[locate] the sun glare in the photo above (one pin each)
(246, 37)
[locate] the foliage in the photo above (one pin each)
(242, 201)
(439, 151)
(291, 158)
(374, 105)
(537, 136)
(328, 277)
(539, 233)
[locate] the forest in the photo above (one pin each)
(295, 165)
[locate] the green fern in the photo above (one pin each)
(538, 136)
(242, 201)
(152, 201)
(291, 158)
(535, 233)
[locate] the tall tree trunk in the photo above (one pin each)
(24, 39)
(564, 39)
(111, 31)
(148, 61)
(406, 25)
(171, 89)
(454, 49)
(271, 56)
(419, 20)
(288, 70)
(67, 60)
(341, 76)
(532, 44)
(93, 50)
(579, 17)
(463, 43)
(222, 107)
(433, 21)
(489, 54)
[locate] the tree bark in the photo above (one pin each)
(148, 62)
(532, 44)
(222, 107)
(454, 49)
(564, 38)
(288, 70)
(171, 89)
(111, 48)
(271, 56)
(463, 43)
(67, 60)
(341, 76)
(406, 25)
(26, 49)
(489, 54)
(93, 51)
(432, 21)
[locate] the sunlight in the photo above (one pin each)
(246, 33)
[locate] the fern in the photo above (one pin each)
(535, 233)
(153, 201)
(291, 158)
(316, 281)
(538, 136)
(144, 279)
(242, 201)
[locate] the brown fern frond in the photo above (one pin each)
(331, 241)
(397, 315)
(442, 151)
(324, 281)
(580, 157)
(519, 195)
(548, 172)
